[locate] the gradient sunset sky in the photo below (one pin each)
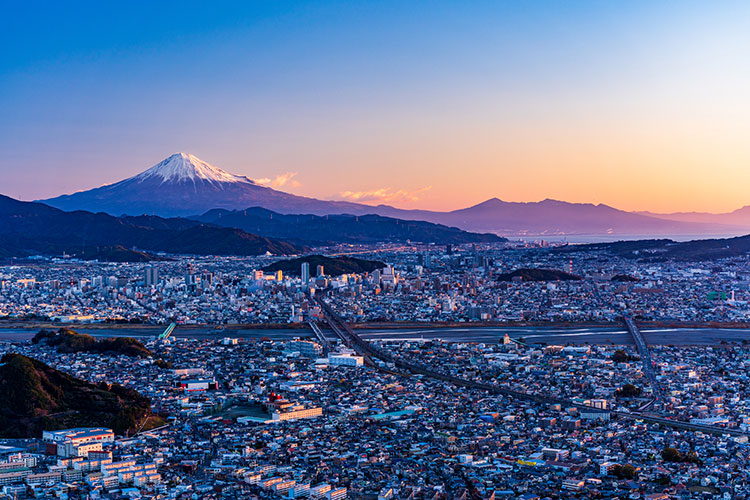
(439, 105)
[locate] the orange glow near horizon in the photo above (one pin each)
(637, 105)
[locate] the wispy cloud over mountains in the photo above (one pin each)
(384, 195)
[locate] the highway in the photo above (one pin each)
(680, 424)
(370, 352)
(320, 336)
(646, 360)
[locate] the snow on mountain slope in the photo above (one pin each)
(186, 167)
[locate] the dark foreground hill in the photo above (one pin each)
(34, 228)
(311, 229)
(333, 266)
(69, 341)
(527, 274)
(36, 397)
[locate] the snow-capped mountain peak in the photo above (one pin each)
(186, 167)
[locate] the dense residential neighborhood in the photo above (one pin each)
(299, 411)
(419, 284)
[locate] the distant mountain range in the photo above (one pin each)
(30, 228)
(322, 230)
(183, 185)
(34, 228)
(739, 217)
(552, 217)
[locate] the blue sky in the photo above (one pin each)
(434, 104)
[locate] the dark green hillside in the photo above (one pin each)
(36, 229)
(68, 341)
(311, 229)
(527, 274)
(664, 250)
(118, 253)
(36, 397)
(333, 266)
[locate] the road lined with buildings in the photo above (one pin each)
(645, 353)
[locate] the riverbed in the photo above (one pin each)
(536, 334)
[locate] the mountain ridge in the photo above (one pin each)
(661, 250)
(151, 192)
(310, 229)
(183, 185)
(29, 228)
(739, 217)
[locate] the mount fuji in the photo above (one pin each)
(183, 184)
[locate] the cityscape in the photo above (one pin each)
(334, 313)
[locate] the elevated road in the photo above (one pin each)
(646, 360)
(681, 424)
(166, 333)
(320, 336)
(370, 352)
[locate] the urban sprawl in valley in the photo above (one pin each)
(470, 371)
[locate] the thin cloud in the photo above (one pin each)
(384, 195)
(285, 179)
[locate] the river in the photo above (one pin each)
(538, 334)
